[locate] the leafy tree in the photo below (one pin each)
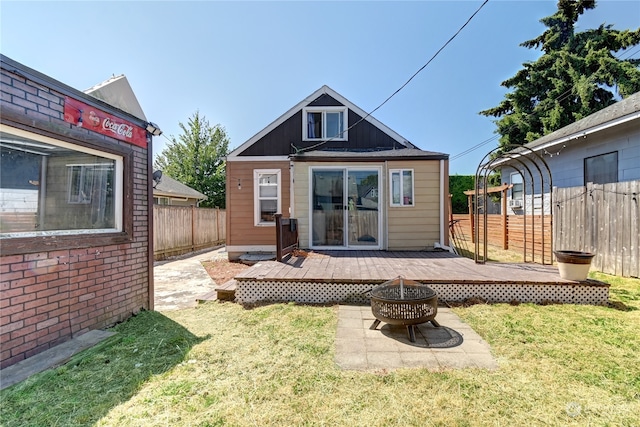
(573, 78)
(196, 159)
(458, 184)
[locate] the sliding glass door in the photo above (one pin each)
(345, 208)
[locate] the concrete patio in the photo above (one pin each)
(454, 345)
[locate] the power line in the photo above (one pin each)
(559, 98)
(298, 150)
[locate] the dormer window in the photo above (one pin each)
(321, 123)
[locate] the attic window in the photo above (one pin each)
(321, 123)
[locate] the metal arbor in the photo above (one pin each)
(536, 175)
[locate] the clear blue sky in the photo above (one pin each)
(243, 64)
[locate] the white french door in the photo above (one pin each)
(345, 208)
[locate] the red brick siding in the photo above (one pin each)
(49, 297)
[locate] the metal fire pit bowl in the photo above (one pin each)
(404, 302)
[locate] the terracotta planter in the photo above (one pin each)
(574, 265)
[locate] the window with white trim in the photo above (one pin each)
(401, 182)
(52, 187)
(267, 199)
(517, 189)
(320, 123)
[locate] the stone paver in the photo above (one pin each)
(454, 345)
(179, 282)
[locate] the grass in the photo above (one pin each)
(220, 364)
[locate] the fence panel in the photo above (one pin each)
(603, 219)
(182, 229)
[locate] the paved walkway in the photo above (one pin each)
(178, 282)
(453, 345)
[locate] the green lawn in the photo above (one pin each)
(220, 364)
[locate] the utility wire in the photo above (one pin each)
(298, 150)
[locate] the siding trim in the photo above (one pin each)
(258, 159)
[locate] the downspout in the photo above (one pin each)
(292, 211)
(439, 244)
(150, 233)
(385, 206)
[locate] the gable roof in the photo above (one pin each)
(117, 91)
(169, 187)
(305, 102)
(622, 111)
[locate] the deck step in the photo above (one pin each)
(224, 292)
(227, 291)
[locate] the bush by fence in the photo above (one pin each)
(181, 229)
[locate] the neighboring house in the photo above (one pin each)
(75, 210)
(601, 148)
(168, 191)
(351, 182)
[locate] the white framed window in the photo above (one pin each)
(401, 182)
(320, 123)
(52, 187)
(517, 189)
(164, 201)
(267, 195)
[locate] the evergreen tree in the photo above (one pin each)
(575, 76)
(197, 159)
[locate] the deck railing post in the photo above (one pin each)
(278, 237)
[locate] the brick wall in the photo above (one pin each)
(49, 296)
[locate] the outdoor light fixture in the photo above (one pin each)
(79, 120)
(153, 129)
(239, 184)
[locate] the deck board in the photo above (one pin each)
(378, 266)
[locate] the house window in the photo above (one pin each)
(601, 169)
(324, 123)
(267, 200)
(50, 187)
(517, 189)
(401, 187)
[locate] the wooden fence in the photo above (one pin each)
(181, 229)
(517, 229)
(600, 218)
(603, 219)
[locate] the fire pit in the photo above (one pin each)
(404, 302)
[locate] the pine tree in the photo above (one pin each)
(576, 75)
(197, 159)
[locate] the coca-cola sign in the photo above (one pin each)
(119, 129)
(83, 115)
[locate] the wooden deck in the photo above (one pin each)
(380, 266)
(453, 277)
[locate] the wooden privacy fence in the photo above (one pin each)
(512, 234)
(181, 229)
(603, 219)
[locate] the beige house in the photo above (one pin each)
(352, 183)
